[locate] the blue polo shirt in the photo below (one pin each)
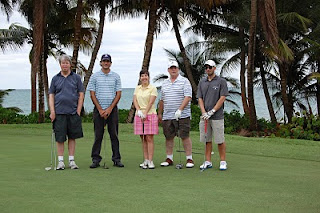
(66, 93)
(105, 86)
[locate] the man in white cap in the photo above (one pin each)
(212, 92)
(176, 94)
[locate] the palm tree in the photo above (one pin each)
(151, 9)
(14, 37)
(60, 30)
(101, 5)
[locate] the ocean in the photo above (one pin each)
(21, 98)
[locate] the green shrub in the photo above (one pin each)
(123, 114)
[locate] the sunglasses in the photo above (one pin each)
(208, 67)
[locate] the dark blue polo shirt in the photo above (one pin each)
(66, 93)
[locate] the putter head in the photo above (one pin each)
(48, 168)
(105, 166)
(179, 166)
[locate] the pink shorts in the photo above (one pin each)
(150, 125)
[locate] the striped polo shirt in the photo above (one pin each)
(105, 86)
(173, 94)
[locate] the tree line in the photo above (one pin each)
(271, 44)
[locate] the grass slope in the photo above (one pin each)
(264, 175)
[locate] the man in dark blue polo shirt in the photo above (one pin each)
(66, 96)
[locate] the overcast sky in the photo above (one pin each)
(124, 40)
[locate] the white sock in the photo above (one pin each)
(189, 157)
(71, 158)
(60, 158)
(170, 157)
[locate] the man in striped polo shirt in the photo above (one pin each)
(105, 92)
(176, 93)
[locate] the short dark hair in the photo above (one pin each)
(144, 72)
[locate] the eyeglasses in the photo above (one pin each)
(106, 61)
(208, 67)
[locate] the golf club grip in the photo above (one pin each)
(53, 124)
(143, 127)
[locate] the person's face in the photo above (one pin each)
(65, 65)
(209, 69)
(105, 64)
(173, 71)
(144, 78)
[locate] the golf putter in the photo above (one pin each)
(180, 165)
(143, 137)
(105, 144)
(53, 152)
(205, 144)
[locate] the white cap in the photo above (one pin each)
(173, 64)
(210, 63)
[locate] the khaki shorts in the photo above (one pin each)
(215, 126)
(170, 128)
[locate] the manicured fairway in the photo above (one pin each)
(264, 175)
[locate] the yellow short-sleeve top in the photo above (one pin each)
(143, 95)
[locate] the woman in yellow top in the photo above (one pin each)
(146, 119)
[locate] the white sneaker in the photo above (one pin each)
(60, 166)
(206, 165)
(151, 164)
(73, 165)
(190, 163)
(144, 163)
(223, 165)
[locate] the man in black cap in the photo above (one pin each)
(105, 92)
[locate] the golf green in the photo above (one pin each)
(264, 175)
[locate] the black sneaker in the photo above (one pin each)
(118, 164)
(94, 165)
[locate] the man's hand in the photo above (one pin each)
(177, 115)
(208, 114)
(52, 116)
(160, 118)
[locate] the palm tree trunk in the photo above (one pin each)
(97, 44)
(41, 91)
(267, 95)
(184, 55)
(243, 73)
(37, 49)
(33, 78)
(285, 99)
(251, 55)
(150, 35)
(147, 49)
(77, 35)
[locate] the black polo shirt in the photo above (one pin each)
(210, 92)
(66, 93)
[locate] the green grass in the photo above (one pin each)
(264, 175)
